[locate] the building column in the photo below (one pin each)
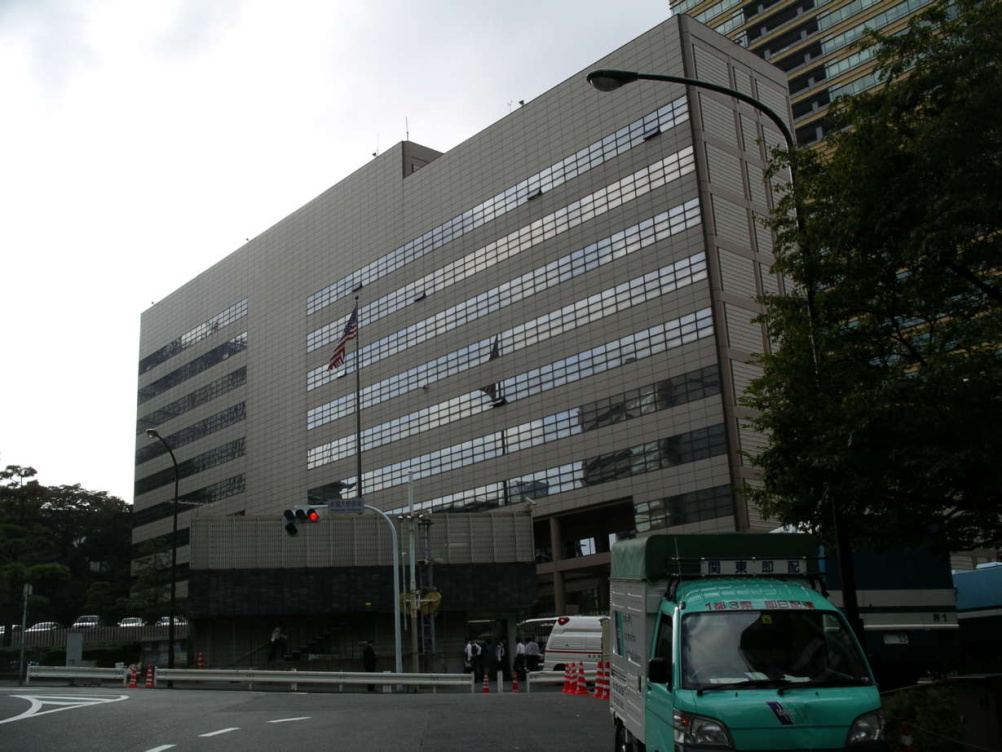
(557, 550)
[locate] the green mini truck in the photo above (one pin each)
(726, 642)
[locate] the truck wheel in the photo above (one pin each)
(625, 741)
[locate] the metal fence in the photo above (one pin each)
(56, 638)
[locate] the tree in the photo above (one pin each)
(63, 540)
(884, 392)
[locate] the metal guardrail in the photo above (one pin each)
(77, 672)
(293, 678)
(254, 676)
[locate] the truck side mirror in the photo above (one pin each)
(658, 671)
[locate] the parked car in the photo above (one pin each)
(87, 621)
(45, 626)
(132, 621)
(179, 621)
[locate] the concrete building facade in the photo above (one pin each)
(812, 41)
(555, 319)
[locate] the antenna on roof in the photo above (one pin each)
(407, 129)
(376, 152)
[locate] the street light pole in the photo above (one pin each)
(153, 434)
(397, 663)
(610, 79)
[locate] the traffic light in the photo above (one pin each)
(300, 514)
(307, 514)
(290, 522)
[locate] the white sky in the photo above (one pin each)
(141, 142)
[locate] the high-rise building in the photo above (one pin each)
(812, 41)
(556, 316)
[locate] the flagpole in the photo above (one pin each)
(358, 406)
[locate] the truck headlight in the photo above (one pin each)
(699, 731)
(869, 727)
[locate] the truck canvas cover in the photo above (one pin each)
(658, 557)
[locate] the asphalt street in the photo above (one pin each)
(58, 718)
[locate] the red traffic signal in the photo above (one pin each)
(307, 514)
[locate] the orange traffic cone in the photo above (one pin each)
(199, 663)
(906, 741)
(132, 677)
(514, 683)
(487, 685)
(149, 677)
(601, 681)
(581, 687)
(568, 687)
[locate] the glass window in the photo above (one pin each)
(769, 647)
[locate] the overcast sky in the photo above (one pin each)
(141, 142)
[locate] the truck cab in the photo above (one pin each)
(721, 642)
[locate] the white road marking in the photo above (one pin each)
(221, 731)
(289, 720)
(63, 702)
(161, 748)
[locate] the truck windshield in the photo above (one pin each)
(756, 648)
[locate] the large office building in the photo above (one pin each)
(555, 321)
(813, 41)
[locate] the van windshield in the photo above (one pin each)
(769, 648)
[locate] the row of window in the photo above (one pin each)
(681, 509)
(508, 441)
(192, 433)
(194, 399)
(629, 188)
(632, 347)
(581, 261)
(834, 42)
(212, 458)
(208, 495)
(625, 138)
(200, 332)
(672, 451)
(193, 368)
(840, 14)
(578, 314)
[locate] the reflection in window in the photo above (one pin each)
(207, 495)
(584, 260)
(554, 480)
(585, 159)
(675, 391)
(198, 365)
(192, 433)
(681, 509)
(650, 286)
(655, 455)
(197, 334)
(194, 399)
(217, 456)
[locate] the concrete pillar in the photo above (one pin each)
(557, 547)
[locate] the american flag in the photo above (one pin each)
(350, 330)
(491, 390)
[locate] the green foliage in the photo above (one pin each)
(62, 540)
(884, 394)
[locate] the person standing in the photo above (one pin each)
(277, 644)
(474, 659)
(532, 655)
(369, 661)
(501, 659)
(520, 658)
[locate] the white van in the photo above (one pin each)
(576, 639)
